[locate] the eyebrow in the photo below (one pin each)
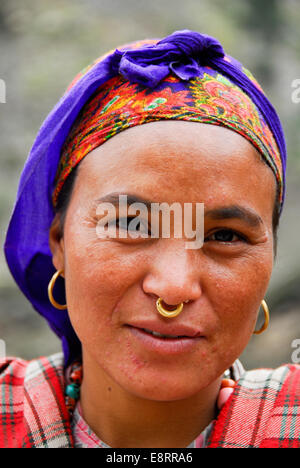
(223, 212)
(236, 212)
(113, 198)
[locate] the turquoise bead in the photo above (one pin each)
(73, 391)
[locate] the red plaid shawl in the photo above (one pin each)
(263, 411)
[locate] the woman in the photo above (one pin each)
(151, 330)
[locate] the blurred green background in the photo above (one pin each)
(45, 43)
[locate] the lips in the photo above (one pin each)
(165, 339)
(160, 335)
(168, 330)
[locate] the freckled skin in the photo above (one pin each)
(111, 282)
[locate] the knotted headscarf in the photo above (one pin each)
(176, 78)
(185, 76)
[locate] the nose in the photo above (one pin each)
(174, 274)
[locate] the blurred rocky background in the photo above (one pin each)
(43, 44)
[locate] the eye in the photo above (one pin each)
(122, 223)
(132, 224)
(226, 235)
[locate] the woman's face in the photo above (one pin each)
(112, 284)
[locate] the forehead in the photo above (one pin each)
(188, 160)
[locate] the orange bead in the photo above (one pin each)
(227, 383)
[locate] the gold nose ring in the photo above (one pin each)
(168, 313)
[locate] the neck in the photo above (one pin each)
(123, 420)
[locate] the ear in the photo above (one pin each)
(56, 243)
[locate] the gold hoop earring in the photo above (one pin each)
(50, 291)
(168, 313)
(267, 318)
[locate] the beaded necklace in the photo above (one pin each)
(72, 391)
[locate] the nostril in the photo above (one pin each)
(169, 307)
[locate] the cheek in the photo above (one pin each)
(97, 274)
(235, 294)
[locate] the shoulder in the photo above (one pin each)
(15, 371)
(276, 393)
(12, 376)
(263, 410)
(22, 383)
(269, 388)
(11, 369)
(272, 379)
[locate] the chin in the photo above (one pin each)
(162, 387)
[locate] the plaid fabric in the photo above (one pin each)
(33, 413)
(263, 411)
